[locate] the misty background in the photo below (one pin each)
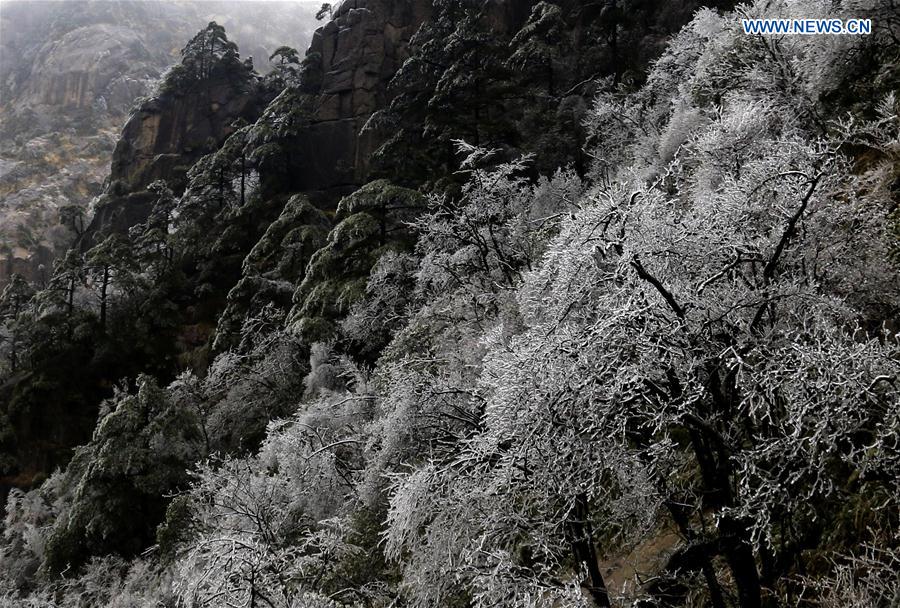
(70, 73)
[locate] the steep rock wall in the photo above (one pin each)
(161, 140)
(356, 55)
(88, 66)
(184, 127)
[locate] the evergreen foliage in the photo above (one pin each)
(370, 223)
(663, 372)
(207, 58)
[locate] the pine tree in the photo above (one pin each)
(286, 55)
(152, 239)
(68, 276)
(13, 304)
(209, 57)
(206, 49)
(110, 264)
(453, 87)
(540, 44)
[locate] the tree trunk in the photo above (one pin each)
(716, 475)
(706, 566)
(103, 289)
(550, 83)
(70, 297)
(742, 562)
(586, 553)
(243, 177)
(221, 188)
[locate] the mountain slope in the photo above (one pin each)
(545, 335)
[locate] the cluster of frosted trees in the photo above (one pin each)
(674, 383)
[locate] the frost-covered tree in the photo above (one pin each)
(370, 222)
(24, 539)
(540, 43)
(118, 485)
(699, 348)
(68, 276)
(384, 308)
(476, 247)
(453, 86)
(152, 238)
(273, 267)
(275, 528)
(244, 389)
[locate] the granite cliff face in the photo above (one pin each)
(80, 55)
(354, 56)
(162, 139)
(349, 64)
(103, 66)
(167, 127)
(64, 86)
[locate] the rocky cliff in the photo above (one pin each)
(347, 68)
(104, 65)
(162, 139)
(352, 60)
(353, 57)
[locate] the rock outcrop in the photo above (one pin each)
(174, 128)
(101, 65)
(354, 55)
(162, 139)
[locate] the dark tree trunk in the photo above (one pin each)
(550, 80)
(221, 188)
(586, 553)
(742, 562)
(716, 480)
(680, 517)
(243, 177)
(103, 296)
